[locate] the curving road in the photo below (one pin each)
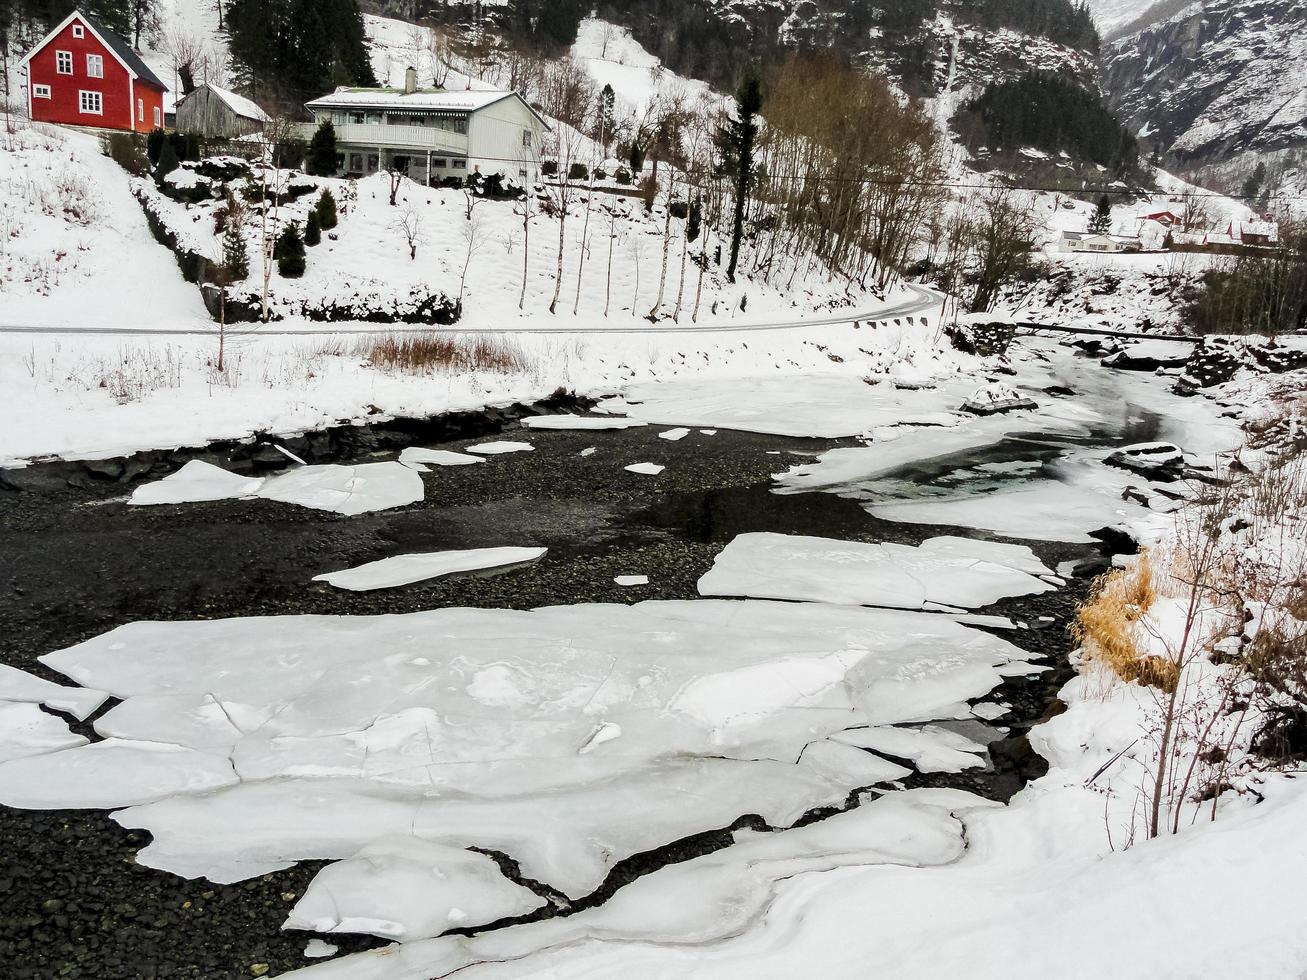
(926, 300)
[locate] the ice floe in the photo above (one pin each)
(645, 469)
(437, 457)
(929, 748)
(316, 949)
(631, 580)
(19, 685)
(387, 573)
(27, 730)
(501, 448)
(196, 481)
(110, 773)
(674, 435)
(949, 570)
(597, 422)
(818, 405)
(348, 490)
(685, 904)
(402, 887)
(567, 737)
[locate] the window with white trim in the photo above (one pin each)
(95, 66)
(79, 30)
(91, 103)
(526, 137)
(140, 110)
(158, 117)
(458, 164)
(40, 91)
(63, 62)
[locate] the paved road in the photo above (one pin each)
(924, 301)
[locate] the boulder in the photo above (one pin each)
(995, 398)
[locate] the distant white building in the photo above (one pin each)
(1086, 241)
(431, 134)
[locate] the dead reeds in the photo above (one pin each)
(437, 352)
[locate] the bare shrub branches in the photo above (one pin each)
(442, 353)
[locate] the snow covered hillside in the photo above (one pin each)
(75, 249)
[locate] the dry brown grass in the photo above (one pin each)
(1107, 627)
(436, 352)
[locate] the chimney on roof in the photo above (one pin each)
(410, 81)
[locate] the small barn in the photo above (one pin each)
(216, 113)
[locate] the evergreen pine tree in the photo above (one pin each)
(326, 211)
(290, 252)
(737, 142)
(167, 161)
(322, 151)
(313, 230)
(1101, 222)
(235, 256)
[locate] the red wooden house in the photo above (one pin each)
(83, 74)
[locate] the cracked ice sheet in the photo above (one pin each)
(388, 573)
(26, 730)
(580, 422)
(703, 900)
(18, 685)
(347, 490)
(415, 455)
(1048, 510)
(929, 748)
(110, 773)
(828, 406)
(467, 726)
(196, 481)
(947, 570)
(404, 888)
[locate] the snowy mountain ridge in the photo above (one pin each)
(1215, 79)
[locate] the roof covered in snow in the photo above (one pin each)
(243, 107)
(429, 100)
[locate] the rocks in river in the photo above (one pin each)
(996, 397)
(1218, 359)
(1150, 355)
(982, 339)
(1155, 460)
(1161, 462)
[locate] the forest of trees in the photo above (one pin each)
(22, 21)
(1058, 20)
(290, 51)
(1049, 113)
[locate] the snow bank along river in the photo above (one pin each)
(831, 662)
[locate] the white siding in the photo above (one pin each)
(495, 137)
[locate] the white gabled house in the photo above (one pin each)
(431, 134)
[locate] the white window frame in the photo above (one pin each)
(158, 118)
(86, 97)
(458, 164)
(62, 58)
(41, 91)
(526, 138)
(140, 110)
(79, 31)
(95, 66)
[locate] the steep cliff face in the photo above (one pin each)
(1216, 79)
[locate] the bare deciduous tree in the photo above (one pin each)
(409, 227)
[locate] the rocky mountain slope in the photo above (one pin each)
(1216, 79)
